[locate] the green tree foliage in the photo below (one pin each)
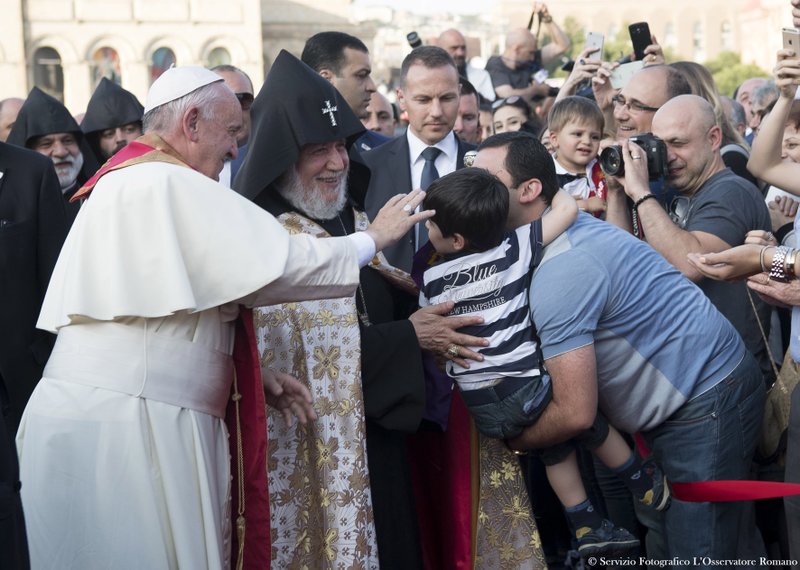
(729, 71)
(576, 35)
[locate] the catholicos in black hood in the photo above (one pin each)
(296, 106)
(113, 119)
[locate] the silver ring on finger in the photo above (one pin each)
(407, 208)
(771, 237)
(636, 157)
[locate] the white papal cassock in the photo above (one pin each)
(123, 450)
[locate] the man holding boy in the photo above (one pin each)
(609, 339)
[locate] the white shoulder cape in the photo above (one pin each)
(157, 238)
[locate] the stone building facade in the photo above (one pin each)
(66, 46)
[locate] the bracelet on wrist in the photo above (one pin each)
(778, 268)
(638, 202)
(789, 264)
(761, 258)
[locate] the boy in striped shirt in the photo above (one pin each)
(485, 270)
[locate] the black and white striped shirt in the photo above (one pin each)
(494, 285)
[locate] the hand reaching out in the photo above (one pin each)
(286, 393)
(601, 85)
(782, 211)
(732, 264)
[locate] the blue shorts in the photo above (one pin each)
(505, 409)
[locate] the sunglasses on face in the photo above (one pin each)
(245, 100)
(507, 101)
(679, 210)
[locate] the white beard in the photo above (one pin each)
(68, 174)
(311, 200)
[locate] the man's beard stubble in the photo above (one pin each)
(311, 200)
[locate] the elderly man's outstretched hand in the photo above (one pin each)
(732, 264)
(396, 218)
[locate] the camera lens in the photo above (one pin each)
(611, 161)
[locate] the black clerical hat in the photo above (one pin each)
(296, 106)
(42, 115)
(110, 107)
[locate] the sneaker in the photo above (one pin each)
(606, 540)
(658, 496)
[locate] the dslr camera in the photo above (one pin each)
(655, 151)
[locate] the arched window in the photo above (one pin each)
(726, 36)
(218, 56)
(161, 60)
(698, 43)
(105, 63)
(48, 75)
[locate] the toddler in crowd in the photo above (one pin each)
(486, 271)
(575, 126)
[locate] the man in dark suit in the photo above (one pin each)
(429, 94)
(33, 226)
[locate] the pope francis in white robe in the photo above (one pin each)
(123, 450)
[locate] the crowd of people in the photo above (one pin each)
(487, 326)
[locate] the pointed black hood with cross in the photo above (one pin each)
(296, 106)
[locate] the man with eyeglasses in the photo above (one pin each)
(633, 109)
(761, 102)
(241, 85)
(713, 210)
